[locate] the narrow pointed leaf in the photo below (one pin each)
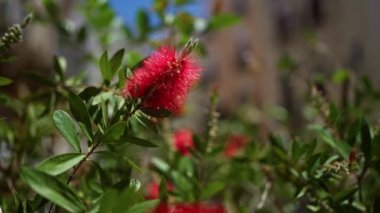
(105, 67)
(212, 189)
(138, 141)
(5, 81)
(52, 189)
(115, 132)
(61, 163)
(161, 113)
(79, 111)
(145, 206)
(344, 195)
(104, 178)
(60, 66)
(342, 147)
(116, 60)
(89, 92)
(366, 140)
(67, 128)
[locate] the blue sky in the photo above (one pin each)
(126, 9)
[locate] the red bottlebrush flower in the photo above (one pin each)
(183, 141)
(189, 208)
(234, 145)
(153, 190)
(164, 79)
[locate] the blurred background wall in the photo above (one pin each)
(320, 35)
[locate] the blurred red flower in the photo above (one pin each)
(164, 79)
(153, 190)
(234, 145)
(189, 208)
(183, 141)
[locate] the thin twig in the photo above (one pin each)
(77, 167)
(82, 161)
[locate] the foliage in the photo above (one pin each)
(118, 148)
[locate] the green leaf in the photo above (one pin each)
(376, 145)
(184, 22)
(51, 7)
(131, 163)
(89, 92)
(313, 208)
(108, 200)
(142, 22)
(161, 113)
(5, 81)
(82, 34)
(104, 116)
(310, 148)
(85, 131)
(278, 149)
(376, 202)
(115, 132)
(366, 140)
(101, 97)
(143, 207)
(114, 155)
(297, 150)
(223, 20)
(58, 164)
(344, 195)
(60, 66)
(301, 192)
(314, 162)
(79, 111)
(116, 60)
(7, 59)
(183, 183)
(105, 67)
(52, 189)
(122, 77)
(145, 121)
(212, 189)
(353, 132)
(163, 189)
(114, 201)
(276, 142)
(14, 104)
(134, 59)
(138, 141)
(160, 165)
(343, 148)
(104, 178)
(67, 128)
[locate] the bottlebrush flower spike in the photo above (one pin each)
(235, 144)
(153, 190)
(183, 141)
(164, 79)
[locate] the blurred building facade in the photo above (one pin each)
(245, 57)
